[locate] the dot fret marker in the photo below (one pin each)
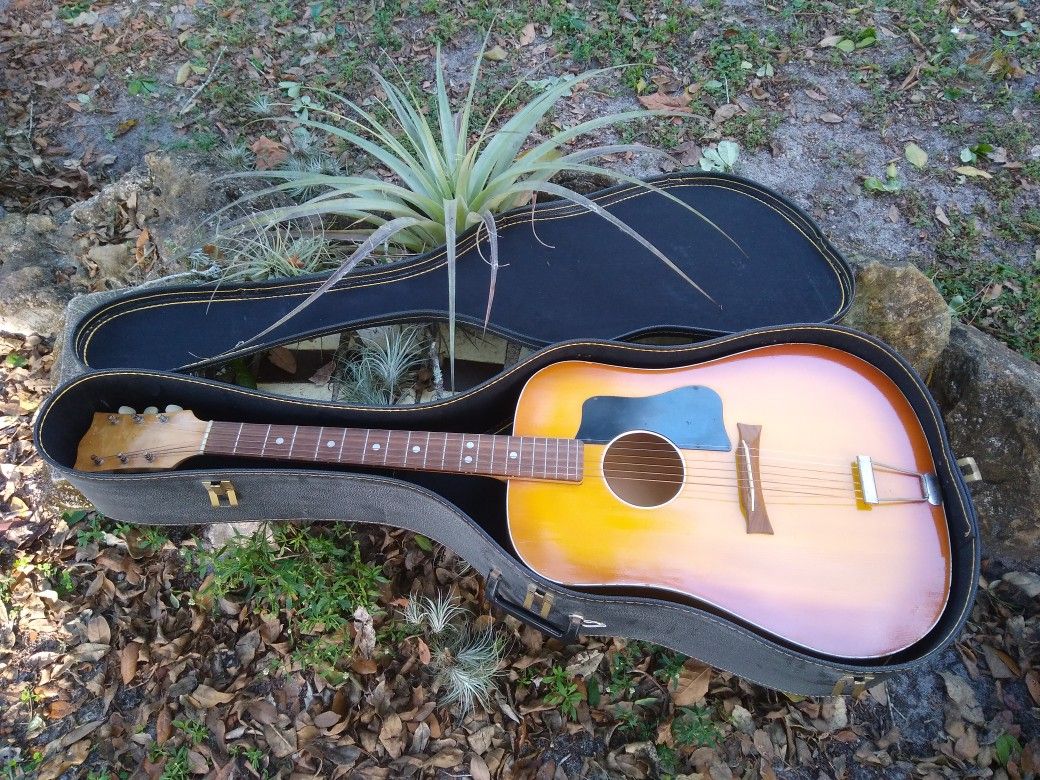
(279, 440)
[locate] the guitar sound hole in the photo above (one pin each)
(643, 469)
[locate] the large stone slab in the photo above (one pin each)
(990, 397)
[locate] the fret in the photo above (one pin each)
(478, 453)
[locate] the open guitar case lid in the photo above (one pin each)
(569, 284)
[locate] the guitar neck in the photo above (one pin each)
(516, 457)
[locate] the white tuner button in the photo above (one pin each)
(127, 410)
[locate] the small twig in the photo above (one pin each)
(202, 86)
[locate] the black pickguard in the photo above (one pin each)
(689, 417)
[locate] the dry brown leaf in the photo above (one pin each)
(1001, 665)
(961, 693)
(659, 101)
(269, 154)
(478, 769)
(495, 54)
(527, 35)
(816, 95)
(282, 743)
(446, 759)
(424, 652)
(327, 719)
(163, 726)
(1033, 684)
(283, 358)
(390, 735)
(98, 631)
(128, 658)
(364, 666)
(940, 215)
(692, 685)
(726, 112)
(831, 118)
(205, 697)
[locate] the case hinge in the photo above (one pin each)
(859, 684)
(218, 489)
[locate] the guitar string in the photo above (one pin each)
(784, 489)
(257, 436)
(692, 457)
(639, 468)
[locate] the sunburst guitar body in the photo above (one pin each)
(739, 483)
(789, 487)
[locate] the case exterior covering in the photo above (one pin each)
(465, 513)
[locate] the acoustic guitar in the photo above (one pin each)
(790, 487)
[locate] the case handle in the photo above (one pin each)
(523, 612)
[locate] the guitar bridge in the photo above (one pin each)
(865, 474)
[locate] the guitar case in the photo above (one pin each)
(572, 286)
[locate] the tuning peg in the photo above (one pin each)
(127, 410)
(174, 408)
(151, 410)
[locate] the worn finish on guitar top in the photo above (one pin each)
(835, 576)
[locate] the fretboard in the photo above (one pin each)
(518, 457)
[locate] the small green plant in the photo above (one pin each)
(142, 85)
(87, 525)
(1006, 748)
(195, 730)
(562, 692)
(722, 158)
(464, 660)
(69, 11)
(14, 360)
(315, 575)
(694, 727)
(891, 183)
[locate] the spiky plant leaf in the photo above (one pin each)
(445, 180)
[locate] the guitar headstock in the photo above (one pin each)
(130, 441)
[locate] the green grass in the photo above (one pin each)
(315, 576)
(999, 298)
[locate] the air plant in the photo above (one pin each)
(446, 177)
(377, 371)
(275, 252)
(464, 660)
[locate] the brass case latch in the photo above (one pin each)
(218, 489)
(545, 599)
(859, 684)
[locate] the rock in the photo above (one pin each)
(37, 274)
(902, 307)
(990, 398)
(111, 259)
